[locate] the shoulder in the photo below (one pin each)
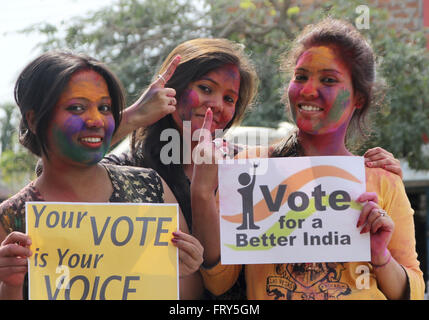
(381, 179)
(253, 152)
(132, 172)
(122, 159)
(135, 184)
(12, 210)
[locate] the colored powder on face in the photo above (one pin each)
(340, 104)
(188, 100)
(65, 141)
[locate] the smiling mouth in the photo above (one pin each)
(305, 107)
(93, 142)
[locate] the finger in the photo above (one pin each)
(366, 210)
(368, 196)
(394, 169)
(188, 243)
(382, 223)
(163, 78)
(380, 163)
(17, 237)
(207, 124)
(8, 271)
(376, 151)
(13, 262)
(373, 215)
(14, 250)
(170, 92)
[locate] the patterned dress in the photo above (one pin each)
(130, 184)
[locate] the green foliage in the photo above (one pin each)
(16, 163)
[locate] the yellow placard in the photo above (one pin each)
(95, 251)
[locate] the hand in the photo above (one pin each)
(379, 158)
(206, 156)
(156, 102)
(190, 253)
(14, 252)
(379, 224)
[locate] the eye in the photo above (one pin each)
(300, 77)
(76, 108)
(205, 89)
(105, 108)
(329, 80)
(229, 99)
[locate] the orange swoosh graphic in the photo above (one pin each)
(294, 183)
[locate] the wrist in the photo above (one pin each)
(382, 259)
(10, 292)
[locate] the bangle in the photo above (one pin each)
(382, 265)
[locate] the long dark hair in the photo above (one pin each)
(198, 57)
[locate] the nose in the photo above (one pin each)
(216, 104)
(309, 90)
(94, 118)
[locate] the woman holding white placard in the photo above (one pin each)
(330, 93)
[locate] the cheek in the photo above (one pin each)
(339, 105)
(186, 103)
(70, 127)
(293, 94)
(110, 127)
(227, 115)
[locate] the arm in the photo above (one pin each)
(190, 255)
(392, 237)
(155, 103)
(391, 277)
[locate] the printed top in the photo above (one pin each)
(352, 280)
(130, 184)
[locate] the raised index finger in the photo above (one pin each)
(207, 124)
(163, 78)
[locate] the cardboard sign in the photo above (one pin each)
(293, 210)
(93, 251)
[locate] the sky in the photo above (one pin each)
(16, 50)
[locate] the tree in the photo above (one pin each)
(17, 163)
(133, 37)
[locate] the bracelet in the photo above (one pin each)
(382, 265)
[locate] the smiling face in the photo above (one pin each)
(321, 93)
(218, 90)
(82, 123)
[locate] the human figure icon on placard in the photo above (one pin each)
(246, 193)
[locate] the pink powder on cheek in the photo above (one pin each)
(188, 100)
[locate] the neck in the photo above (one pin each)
(329, 144)
(61, 182)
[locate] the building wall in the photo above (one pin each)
(408, 14)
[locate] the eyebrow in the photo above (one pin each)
(323, 70)
(216, 83)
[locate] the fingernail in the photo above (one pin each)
(174, 240)
(369, 164)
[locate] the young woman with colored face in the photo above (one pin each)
(329, 95)
(70, 106)
(198, 74)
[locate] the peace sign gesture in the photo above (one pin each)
(155, 103)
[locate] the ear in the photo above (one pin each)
(29, 117)
(359, 100)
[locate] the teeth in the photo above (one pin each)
(310, 108)
(91, 140)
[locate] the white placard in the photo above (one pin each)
(292, 210)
